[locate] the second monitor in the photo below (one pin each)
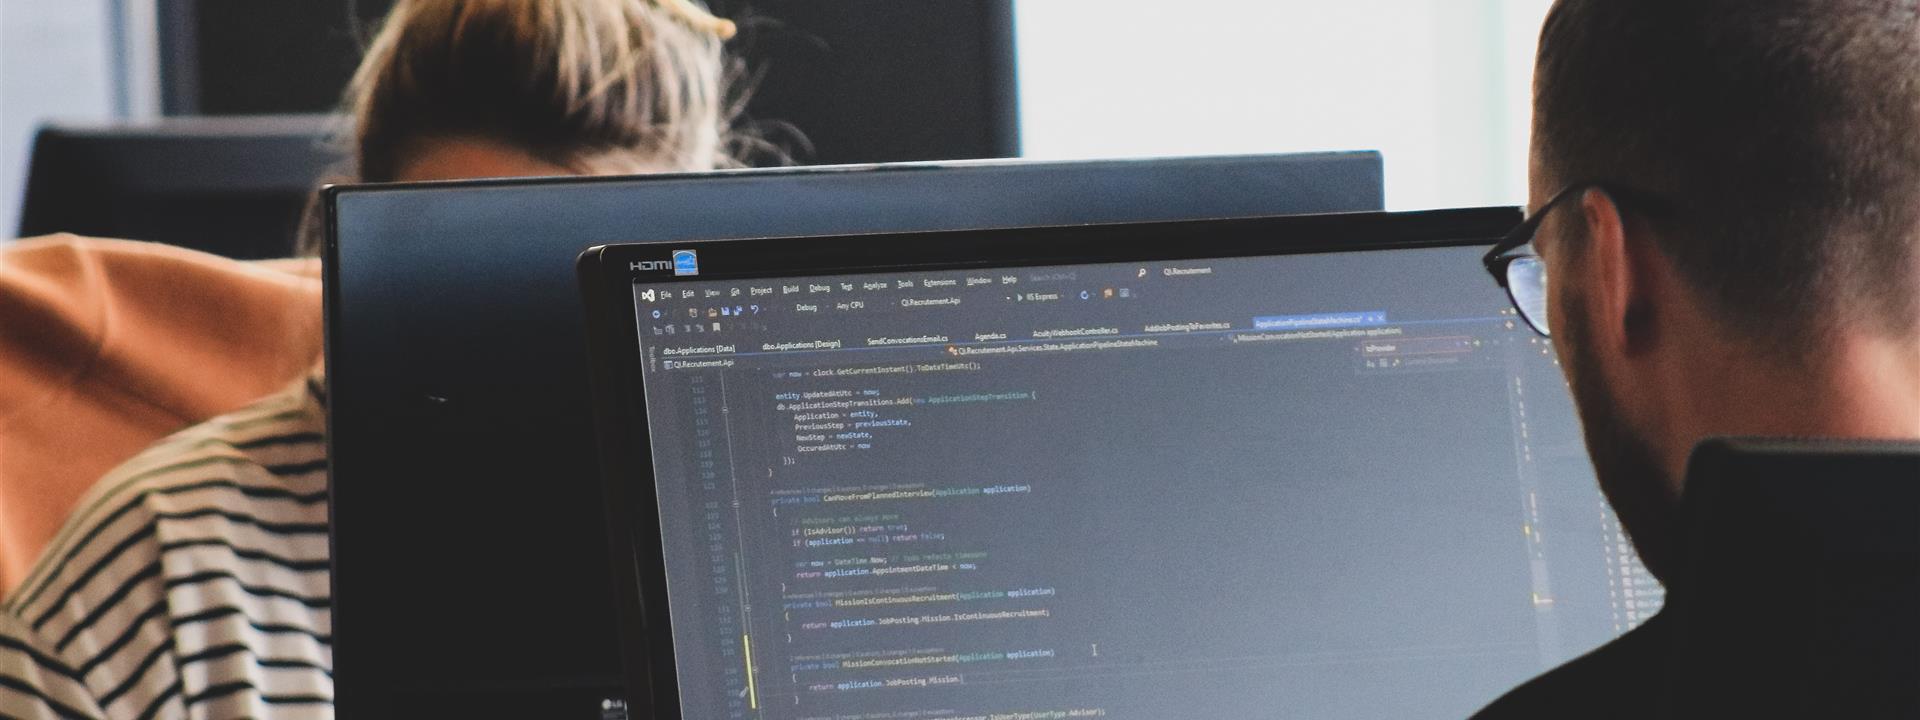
(461, 434)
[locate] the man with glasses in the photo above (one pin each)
(1723, 242)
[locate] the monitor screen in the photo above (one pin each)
(1329, 485)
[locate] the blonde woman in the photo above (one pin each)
(192, 580)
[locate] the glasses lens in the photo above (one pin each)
(1527, 280)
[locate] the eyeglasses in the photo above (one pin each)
(1519, 270)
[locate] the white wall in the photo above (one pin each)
(56, 61)
(1439, 86)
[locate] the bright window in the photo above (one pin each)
(1440, 87)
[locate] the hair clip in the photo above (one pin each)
(699, 18)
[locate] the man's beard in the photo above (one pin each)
(1630, 472)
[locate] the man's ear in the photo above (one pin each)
(1617, 274)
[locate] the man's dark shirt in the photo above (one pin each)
(1621, 679)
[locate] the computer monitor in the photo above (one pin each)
(862, 80)
(1287, 467)
(466, 501)
(233, 186)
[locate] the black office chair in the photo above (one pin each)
(1800, 593)
(232, 186)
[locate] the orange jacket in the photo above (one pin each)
(109, 345)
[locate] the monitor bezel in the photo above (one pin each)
(626, 454)
(330, 193)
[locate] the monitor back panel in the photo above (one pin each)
(229, 186)
(467, 508)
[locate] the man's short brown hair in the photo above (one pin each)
(1785, 133)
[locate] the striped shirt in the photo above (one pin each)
(192, 581)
